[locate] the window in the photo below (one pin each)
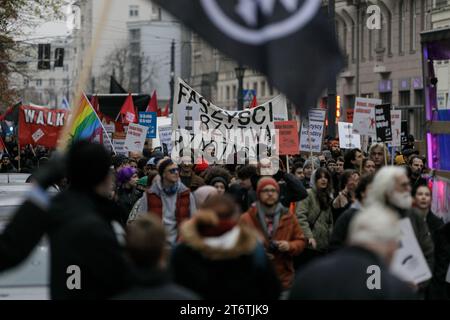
(412, 26)
(418, 98)
(349, 102)
(135, 34)
(405, 98)
(263, 89)
(386, 97)
(401, 26)
(52, 82)
(234, 91)
(270, 90)
(38, 82)
(134, 11)
(228, 93)
(26, 82)
(156, 12)
(255, 86)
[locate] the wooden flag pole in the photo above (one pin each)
(287, 164)
(385, 154)
(84, 75)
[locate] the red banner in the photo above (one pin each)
(288, 143)
(40, 126)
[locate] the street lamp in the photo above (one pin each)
(240, 72)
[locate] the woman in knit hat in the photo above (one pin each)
(219, 178)
(127, 193)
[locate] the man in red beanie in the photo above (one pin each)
(279, 228)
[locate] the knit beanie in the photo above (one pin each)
(266, 181)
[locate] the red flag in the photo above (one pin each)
(95, 104)
(165, 113)
(153, 104)
(128, 112)
(159, 113)
(254, 103)
(2, 146)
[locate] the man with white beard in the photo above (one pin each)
(391, 188)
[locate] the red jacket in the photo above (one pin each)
(288, 230)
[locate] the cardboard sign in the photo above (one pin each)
(364, 116)
(40, 126)
(348, 139)
(135, 140)
(165, 138)
(311, 136)
(317, 115)
(148, 119)
(383, 123)
(409, 262)
(396, 122)
(287, 137)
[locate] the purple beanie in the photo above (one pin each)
(124, 175)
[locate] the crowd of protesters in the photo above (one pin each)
(202, 231)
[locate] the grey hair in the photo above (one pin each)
(383, 184)
(374, 225)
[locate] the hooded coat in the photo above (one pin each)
(236, 267)
(315, 222)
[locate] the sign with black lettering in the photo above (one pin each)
(383, 122)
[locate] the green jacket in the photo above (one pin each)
(315, 223)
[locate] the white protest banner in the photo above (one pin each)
(396, 123)
(364, 116)
(317, 115)
(135, 140)
(409, 262)
(165, 138)
(348, 139)
(315, 134)
(200, 125)
(162, 121)
(119, 146)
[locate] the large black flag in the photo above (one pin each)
(290, 41)
(115, 87)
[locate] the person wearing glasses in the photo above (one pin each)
(278, 226)
(169, 199)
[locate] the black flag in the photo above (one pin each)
(115, 87)
(290, 41)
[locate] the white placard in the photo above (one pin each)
(348, 139)
(364, 116)
(119, 146)
(315, 134)
(317, 115)
(165, 137)
(135, 140)
(409, 262)
(396, 125)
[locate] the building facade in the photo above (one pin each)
(384, 63)
(44, 87)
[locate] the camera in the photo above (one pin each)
(273, 247)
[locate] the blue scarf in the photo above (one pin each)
(171, 190)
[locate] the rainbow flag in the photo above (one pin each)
(86, 124)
